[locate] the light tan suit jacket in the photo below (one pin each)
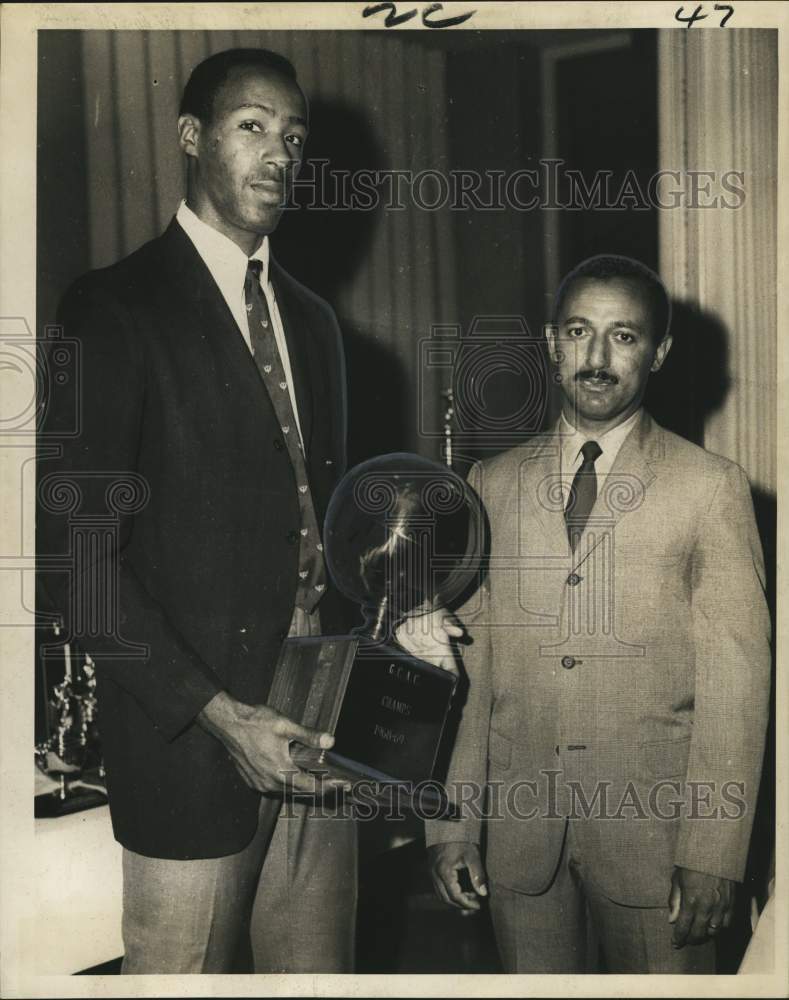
(626, 684)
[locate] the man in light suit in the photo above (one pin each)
(212, 383)
(619, 668)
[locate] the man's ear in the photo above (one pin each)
(189, 134)
(660, 353)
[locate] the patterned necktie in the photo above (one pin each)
(312, 573)
(583, 493)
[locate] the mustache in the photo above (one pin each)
(598, 373)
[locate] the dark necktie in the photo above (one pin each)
(312, 574)
(583, 493)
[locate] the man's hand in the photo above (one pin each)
(429, 637)
(699, 906)
(446, 863)
(258, 740)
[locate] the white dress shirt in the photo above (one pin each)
(573, 440)
(227, 263)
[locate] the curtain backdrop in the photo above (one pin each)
(718, 113)
(377, 102)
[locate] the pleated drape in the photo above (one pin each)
(718, 113)
(403, 283)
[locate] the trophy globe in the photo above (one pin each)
(403, 536)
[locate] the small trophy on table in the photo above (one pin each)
(402, 537)
(68, 754)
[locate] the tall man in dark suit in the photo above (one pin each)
(213, 383)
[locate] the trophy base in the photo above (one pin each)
(52, 804)
(385, 708)
(427, 799)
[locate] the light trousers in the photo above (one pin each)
(559, 930)
(286, 903)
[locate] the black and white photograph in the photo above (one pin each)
(392, 428)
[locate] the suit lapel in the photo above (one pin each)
(540, 488)
(623, 491)
(625, 486)
(196, 282)
(213, 318)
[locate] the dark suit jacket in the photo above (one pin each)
(207, 569)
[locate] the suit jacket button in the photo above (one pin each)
(279, 444)
(293, 537)
(573, 579)
(568, 662)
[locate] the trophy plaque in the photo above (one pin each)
(402, 537)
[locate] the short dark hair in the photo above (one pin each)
(606, 266)
(208, 76)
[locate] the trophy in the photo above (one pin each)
(402, 537)
(69, 765)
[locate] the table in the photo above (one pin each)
(79, 883)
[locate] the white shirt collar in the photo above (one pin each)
(610, 442)
(226, 261)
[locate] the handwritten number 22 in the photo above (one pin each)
(691, 19)
(393, 18)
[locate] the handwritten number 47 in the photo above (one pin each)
(690, 19)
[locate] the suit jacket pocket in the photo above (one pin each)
(499, 749)
(666, 758)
